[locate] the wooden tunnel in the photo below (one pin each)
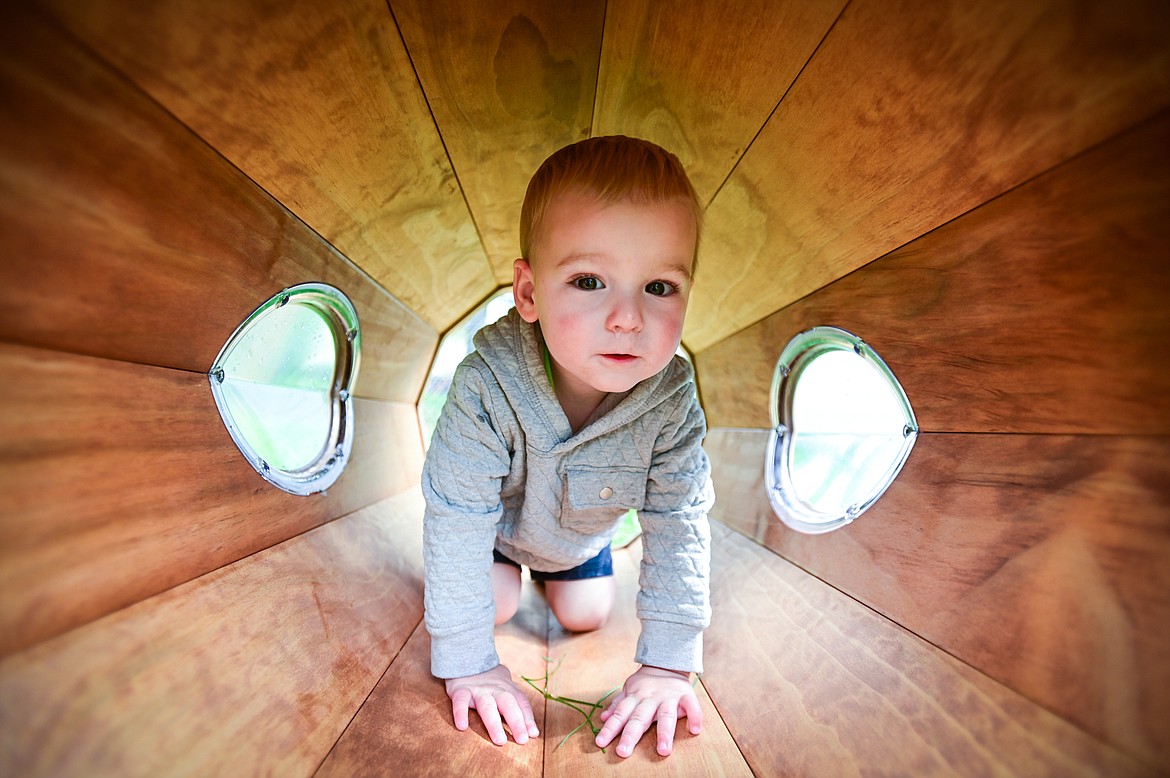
(979, 188)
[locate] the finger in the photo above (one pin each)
(667, 719)
(490, 715)
(640, 721)
(618, 713)
(460, 702)
(513, 717)
(529, 716)
(694, 712)
(617, 698)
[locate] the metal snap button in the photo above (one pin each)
(605, 493)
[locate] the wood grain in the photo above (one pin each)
(702, 79)
(509, 83)
(253, 669)
(1042, 561)
(907, 117)
(406, 722)
(813, 683)
(737, 471)
(590, 665)
(127, 237)
(319, 105)
(1038, 312)
(119, 481)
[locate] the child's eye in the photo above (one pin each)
(661, 288)
(587, 283)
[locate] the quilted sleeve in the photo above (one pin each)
(674, 596)
(462, 475)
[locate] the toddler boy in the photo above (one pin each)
(572, 409)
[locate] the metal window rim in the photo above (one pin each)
(800, 352)
(342, 319)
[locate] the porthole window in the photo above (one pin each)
(842, 429)
(282, 383)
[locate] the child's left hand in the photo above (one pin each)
(650, 695)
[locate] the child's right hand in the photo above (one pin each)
(494, 695)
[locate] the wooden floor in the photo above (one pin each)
(311, 658)
(408, 700)
(800, 680)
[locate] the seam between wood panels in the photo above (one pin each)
(1157, 115)
(373, 501)
(776, 107)
(211, 571)
(906, 631)
(370, 693)
(206, 374)
(56, 349)
(549, 621)
(52, 20)
(597, 76)
(722, 720)
(442, 141)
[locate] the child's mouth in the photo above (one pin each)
(620, 357)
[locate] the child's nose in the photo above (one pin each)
(625, 315)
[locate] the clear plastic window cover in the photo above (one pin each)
(781, 474)
(283, 382)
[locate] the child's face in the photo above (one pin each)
(609, 284)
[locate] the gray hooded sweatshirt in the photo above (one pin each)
(505, 471)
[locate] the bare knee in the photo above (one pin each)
(583, 605)
(505, 591)
(576, 619)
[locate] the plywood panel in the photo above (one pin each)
(318, 104)
(589, 665)
(1044, 561)
(254, 669)
(737, 471)
(126, 237)
(509, 83)
(119, 481)
(701, 79)
(1039, 312)
(907, 117)
(814, 683)
(406, 722)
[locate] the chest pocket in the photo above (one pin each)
(598, 496)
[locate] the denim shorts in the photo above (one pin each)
(598, 566)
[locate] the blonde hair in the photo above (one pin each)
(611, 168)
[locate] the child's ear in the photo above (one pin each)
(524, 290)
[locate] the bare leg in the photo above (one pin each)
(505, 591)
(583, 605)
